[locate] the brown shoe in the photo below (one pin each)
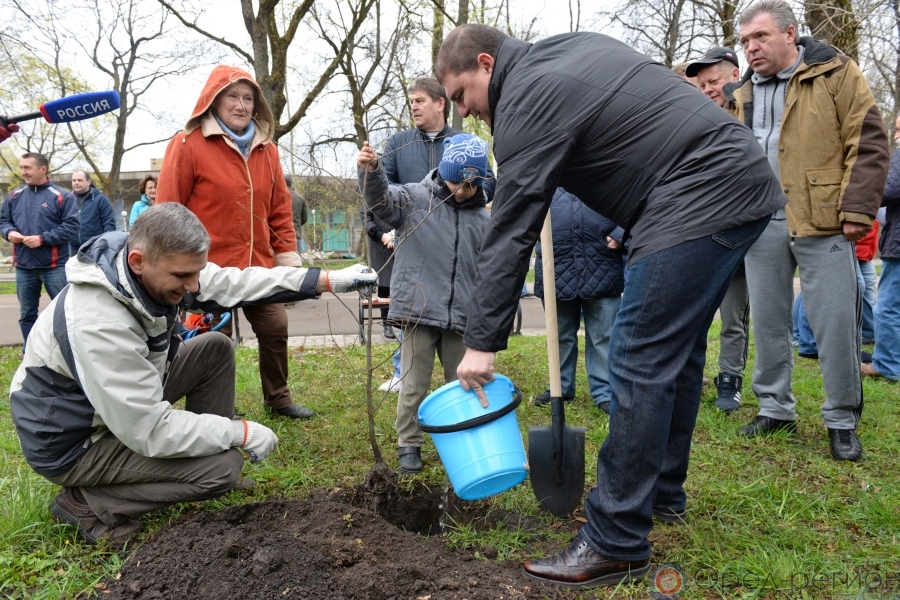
(579, 567)
(868, 370)
(69, 507)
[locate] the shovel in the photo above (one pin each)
(555, 453)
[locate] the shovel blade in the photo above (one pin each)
(557, 469)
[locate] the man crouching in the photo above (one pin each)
(92, 399)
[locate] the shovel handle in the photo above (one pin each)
(550, 307)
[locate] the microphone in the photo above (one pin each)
(76, 107)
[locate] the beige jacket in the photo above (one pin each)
(833, 149)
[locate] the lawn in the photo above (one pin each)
(768, 518)
(7, 287)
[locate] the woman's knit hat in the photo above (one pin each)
(465, 159)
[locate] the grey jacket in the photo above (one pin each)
(436, 247)
(410, 155)
(121, 344)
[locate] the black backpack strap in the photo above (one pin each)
(61, 333)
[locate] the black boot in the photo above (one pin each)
(729, 387)
(410, 459)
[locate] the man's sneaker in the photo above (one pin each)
(544, 398)
(729, 388)
(69, 507)
(844, 444)
(391, 385)
(762, 425)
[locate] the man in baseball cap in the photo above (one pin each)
(717, 67)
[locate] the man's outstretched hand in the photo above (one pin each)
(350, 279)
(475, 371)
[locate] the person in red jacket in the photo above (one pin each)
(865, 253)
(224, 166)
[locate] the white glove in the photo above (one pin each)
(288, 259)
(256, 440)
(350, 279)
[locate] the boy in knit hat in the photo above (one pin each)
(439, 223)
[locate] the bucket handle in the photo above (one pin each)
(474, 422)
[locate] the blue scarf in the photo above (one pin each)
(242, 141)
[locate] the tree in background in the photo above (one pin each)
(128, 45)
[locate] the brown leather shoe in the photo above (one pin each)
(69, 507)
(579, 567)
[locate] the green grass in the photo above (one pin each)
(7, 287)
(768, 518)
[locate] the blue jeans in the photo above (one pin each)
(803, 333)
(28, 290)
(656, 356)
(395, 359)
(886, 357)
(599, 315)
(867, 271)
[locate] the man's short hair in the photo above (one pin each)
(40, 159)
(168, 229)
(781, 13)
(288, 180)
(435, 91)
(460, 50)
(85, 174)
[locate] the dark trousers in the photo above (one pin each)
(656, 356)
(269, 323)
(120, 484)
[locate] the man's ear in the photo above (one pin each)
(485, 61)
(791, 32)
(136, 261)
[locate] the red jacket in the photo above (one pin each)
(865, 248)
(245, 205)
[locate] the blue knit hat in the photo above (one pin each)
(465, 159)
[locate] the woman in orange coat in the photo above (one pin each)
(224, 166)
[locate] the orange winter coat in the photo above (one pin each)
(244, 204)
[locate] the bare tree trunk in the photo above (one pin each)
(672, 37)
(462, 18)
(834, 22)
(437, 31)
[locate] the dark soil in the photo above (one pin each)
(331, 546)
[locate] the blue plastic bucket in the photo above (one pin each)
(481, 448)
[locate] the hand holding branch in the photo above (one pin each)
(367, 158)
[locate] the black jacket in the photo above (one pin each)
(630, 138)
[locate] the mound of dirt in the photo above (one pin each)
(323, 547)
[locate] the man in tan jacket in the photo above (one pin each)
(813, 113)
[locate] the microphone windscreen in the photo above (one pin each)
(77, 107)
